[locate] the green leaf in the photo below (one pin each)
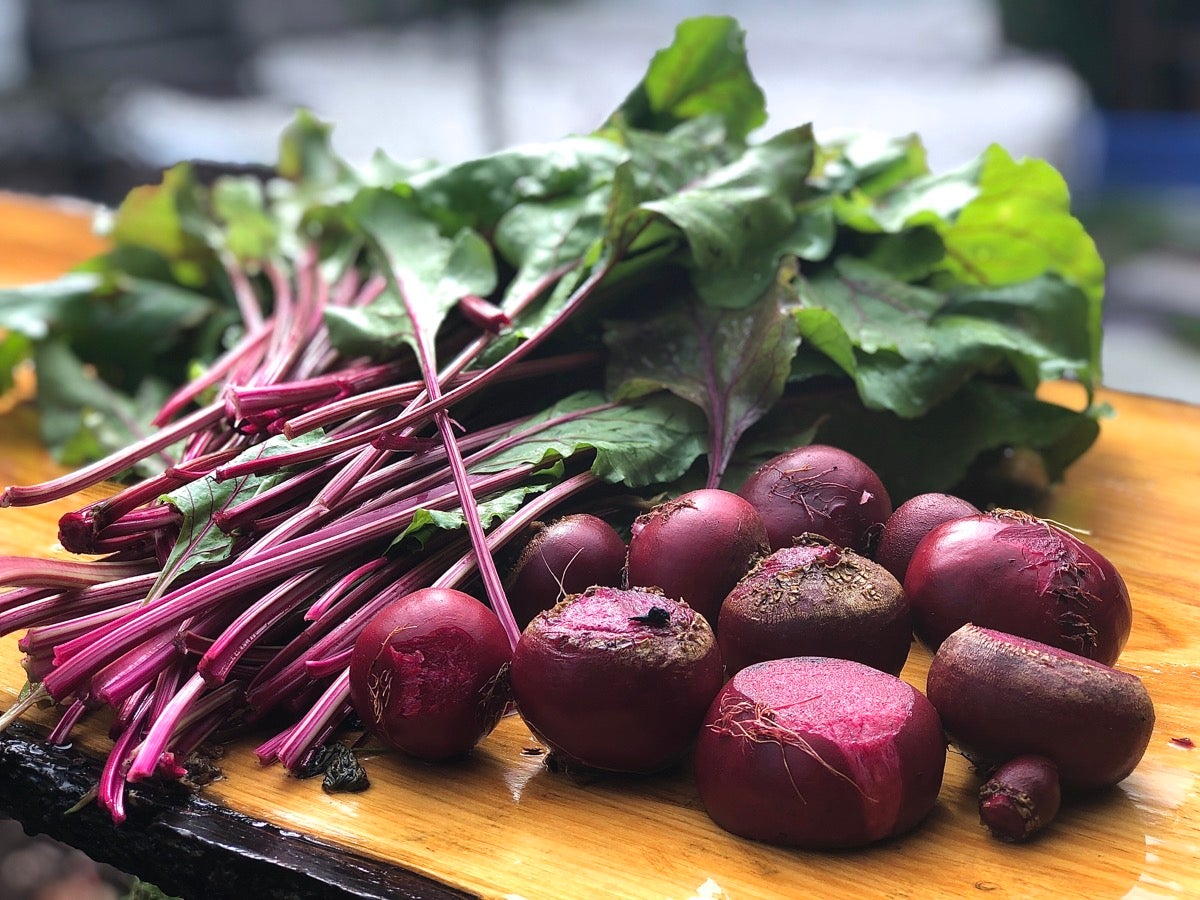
(731, 363)
(703, 72)
(200, 541)
(492, 510)
(248, 229)
(651, 441)
(168, 218)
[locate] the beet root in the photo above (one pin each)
(819, 753)
(1021, 575)
(429, 673)
(822, 490)
(816, 599)
(1002, 696)
(695, 547)
(1020, 799)
(616, 680)
(911, 521)
(563, 558)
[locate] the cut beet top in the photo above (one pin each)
(818, 752)
(616, 680)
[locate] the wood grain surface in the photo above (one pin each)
(501, 825)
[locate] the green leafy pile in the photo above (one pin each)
(791, 290)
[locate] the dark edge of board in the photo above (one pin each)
(185, 845)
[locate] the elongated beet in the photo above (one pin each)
(911, 521)
(428, 674)
(816, 599)
(817, 752)
(1022, 575)
(1021, 798)
(1002, 696)
(565, 557)
(695, 547)
(823, 490)
(616, 680)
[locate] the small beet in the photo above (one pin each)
(911, 521)
(563, 558)
(429, 673)
(1020, 799)
(1002, 696)
(1022, 575)
(695, 547)
(616, 680)
(822, 490)
(816, 599)
(819, 753)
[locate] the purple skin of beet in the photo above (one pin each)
(1002, 696)
(911, 521)
(1021, 575)
(816, 599)
(429, 674)
(696, 547)
(616, 680)
(819, 753)
(819, 489)
(1020, 799)
(563, 558)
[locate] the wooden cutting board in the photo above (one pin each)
(502, 826)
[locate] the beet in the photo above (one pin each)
(818, 752)
(911, 521)
(429, 673)
(1002, 696)
(822, 490)
(695, 547)
(616, 680)
(564, 558)
(816, 599)
(1020, 799)
(1022, 575)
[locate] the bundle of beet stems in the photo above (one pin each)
(427, 360)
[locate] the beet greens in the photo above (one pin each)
(329, 389)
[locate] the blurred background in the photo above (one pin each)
(97, 96)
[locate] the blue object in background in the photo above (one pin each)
(1150, 149)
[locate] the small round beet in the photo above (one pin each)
(911, 521)
(816, 599)
(1002, 696)
(822, 490)
(695, 547)
(1022, 575)
(616, 680)
(821, 753)
(563, 558)
(1020, 799)
(429, 673)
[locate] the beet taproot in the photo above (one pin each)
(695, 547)
(616, 680)
(429, 673)
(911, 521)
(1021, 798)
(565, 557)
(823, 490)
(819, 753)
(1001, 696)
(1016, 573)
(816, 599)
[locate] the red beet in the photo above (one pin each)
(822, 490)
(816, 599)
(818, 752)
(429, 673)
(564, 558)
(1021, 575)
(1020, 799)
(1002, 696)
(912, 520)
(616, 680)
(695, 548)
